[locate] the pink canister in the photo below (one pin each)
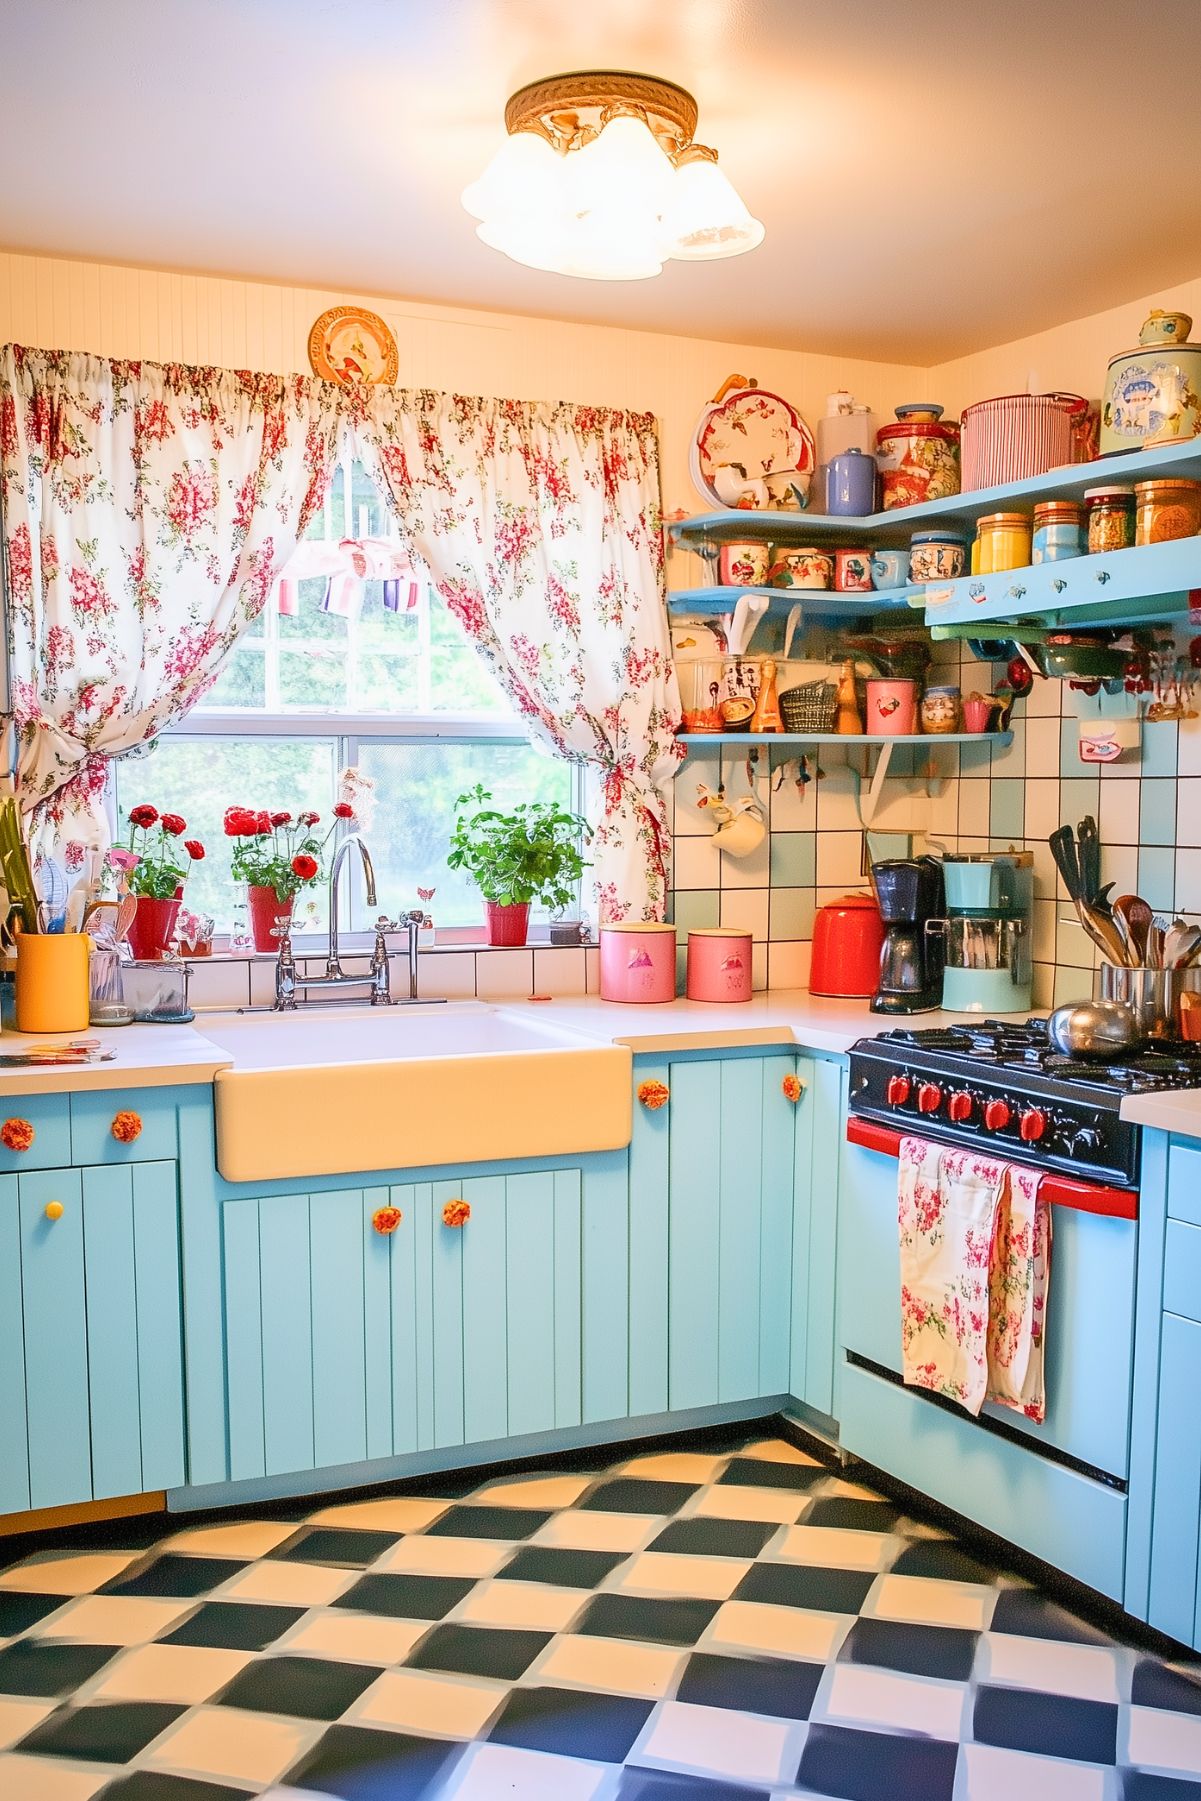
(1016, 436)
(719, 964)
(891, 708)
(638, 962)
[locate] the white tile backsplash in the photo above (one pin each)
(559, 972)
(504, 973)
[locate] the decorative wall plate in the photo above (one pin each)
(751, 448)
(349, 344)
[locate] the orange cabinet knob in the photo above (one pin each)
(653, 1095)
(386, 1219)
(17, 1134)
(126, 1127)
(456, 1213)
(53, 1210)
(793, 1088)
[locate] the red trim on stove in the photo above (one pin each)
(1060, 1191)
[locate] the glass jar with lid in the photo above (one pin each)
(1002, 542)
(1110, 517)
(1058, 531)
(1166, 509)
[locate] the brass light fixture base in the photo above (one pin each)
(570, 110)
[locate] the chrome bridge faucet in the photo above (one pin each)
(288, 980)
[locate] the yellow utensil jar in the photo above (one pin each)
(52, 981)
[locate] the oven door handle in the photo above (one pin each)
(1060, 1191)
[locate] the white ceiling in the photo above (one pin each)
(934, 175)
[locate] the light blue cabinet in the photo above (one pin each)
(91, 1385)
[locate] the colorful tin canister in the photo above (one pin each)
(1015, 436)
(936, 556)
(1153, 393)
(1002, 542)
(919, 460)
(719, 964)
(1058, 531)
(638, 962)
(853, 571)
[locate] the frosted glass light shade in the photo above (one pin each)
(525, 179)
(622, 168)
(608, 247)
(706, 218)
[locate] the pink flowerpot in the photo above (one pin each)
(153, 927)
(507, 925)
(891, 708)
(266, 912)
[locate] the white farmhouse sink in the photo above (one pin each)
(318, 1092)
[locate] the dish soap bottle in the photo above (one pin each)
(766, 717)
(849, 723)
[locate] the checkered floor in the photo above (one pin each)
(681, 1626)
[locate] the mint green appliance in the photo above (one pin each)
(987, 932)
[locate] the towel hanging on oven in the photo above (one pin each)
(975, 1241)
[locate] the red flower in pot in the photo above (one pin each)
(277, 853)
(154, 873)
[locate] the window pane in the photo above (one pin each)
(200, 777)
(416, 785)
(242, 681)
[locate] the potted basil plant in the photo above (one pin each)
(532, 853)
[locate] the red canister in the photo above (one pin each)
(1015, 436)
(638, 962)
(848, 936)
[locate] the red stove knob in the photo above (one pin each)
(997, 1115)
(929, 1098)
(898, 1090)
(961, 1106)
(1032, 1125)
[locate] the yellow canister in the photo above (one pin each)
(1002, 542)
(52, 981)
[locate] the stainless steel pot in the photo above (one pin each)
(1152, 995)
(1100, 1029)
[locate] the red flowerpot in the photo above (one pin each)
(266, 912)
(153, 927)
(507, 925)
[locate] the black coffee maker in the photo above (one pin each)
(909, 892)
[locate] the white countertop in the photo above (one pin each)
(146, 1057)
(1179, 1110)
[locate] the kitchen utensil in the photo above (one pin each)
(1063, 849)
(1153, 995)
(15, 866)
(1102, 931)
(1096, 1029)
(1014, 436)
(1136, 919)
(848, 936)
(1089, 854)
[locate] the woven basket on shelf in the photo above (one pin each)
(810, 707)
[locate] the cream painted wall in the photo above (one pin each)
(115, 311)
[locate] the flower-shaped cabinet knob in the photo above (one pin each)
(456, 1213)
(17, 1134)
(653, 1095)
(126, 1126)
(792, 1088)
(386, 1219)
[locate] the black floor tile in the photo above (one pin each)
(714, 1538)
(1154, 1685)
(805, 1585)
(339, 1549)
(363, 1763)
(572, 1722)
(234, 1625)
(19, 1610)
(489, 1522)
(110, 1732)
(872, 1766)
(31, 1667)
(852, 1516)
(629, 1494)
(761, 1472)
(154, 1785)
(944, 1651)
(1031, 1614)
(943, 1559)
(309, 1687)
(675, 1621)
(666, 1785)
(1027, 1719)
(175, 1577)
(406, 1597)
(563, 1569)
(1141, 1785)
(503, 1653)
(772, 1685)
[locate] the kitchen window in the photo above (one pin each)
(354, 660)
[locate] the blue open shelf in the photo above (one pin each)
(698, 740)
(816, 603)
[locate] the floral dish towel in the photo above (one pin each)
(975, 1259)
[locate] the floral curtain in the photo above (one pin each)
(539, 525)
(147, 512)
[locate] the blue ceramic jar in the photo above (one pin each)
(851, 484)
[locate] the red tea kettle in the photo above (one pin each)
(848, 936)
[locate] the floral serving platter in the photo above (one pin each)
(349, 344)
(751, 448)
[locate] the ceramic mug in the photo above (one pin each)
(853, 571)
(809, 568)
(977, 711)
(744, 565)
(891, 707)
(890, 568)
(936, 559)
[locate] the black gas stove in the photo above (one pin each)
(1003, 1083)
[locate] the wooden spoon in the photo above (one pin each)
(1137, 918)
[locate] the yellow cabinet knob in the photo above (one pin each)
(53, 1209)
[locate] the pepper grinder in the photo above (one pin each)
(766, 717)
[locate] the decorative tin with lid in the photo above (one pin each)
(1153, 392)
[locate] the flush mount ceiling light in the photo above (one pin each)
(600, 177)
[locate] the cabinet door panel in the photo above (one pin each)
(815, 1233)
(56, 1354)
(781, 1119)
(485, 1310)
(160, 1322)
(738, 1129)
(1176, 1526)
(530, 1322)
(287, 1332)
(446, 1264)
(412, 1352)
(14, 1450)
(567, 1349)
(620, 1365)
(112, 1332)
(694, 1235)
(649, 1212)
(339, 1369)
(243, 1337)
